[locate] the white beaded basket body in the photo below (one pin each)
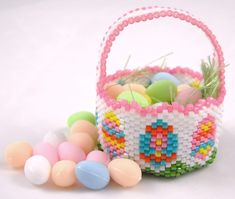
(164, 139)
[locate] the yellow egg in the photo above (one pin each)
(85, 126)
(113, 89)
(17, 153)
(83, 140)
(135, 87)
(63, 173)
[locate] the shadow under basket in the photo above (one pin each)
(164, 139)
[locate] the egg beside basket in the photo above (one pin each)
(166, 139)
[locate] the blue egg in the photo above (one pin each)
(165, 76)
(92, 175)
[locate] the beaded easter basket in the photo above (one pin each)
(168, 139)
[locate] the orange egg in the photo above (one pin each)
(135, 87)
(113, 89)
(17, 153)
(83, 140)
(63, 173)
(85, 126)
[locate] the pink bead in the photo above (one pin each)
(69, 151)
(98, 156)
(164, 145)
(158, 148)
(152, 145)
(144, 18)
(131, 20)
(48, 151)
(150, 16)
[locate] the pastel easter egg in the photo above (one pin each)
(85, 126)
(188, 96)
(92, 175)
(17, 153)
(165, 76)
(48, 151)
(69, 151)
(82, 115)
(148, 98)
(56, 137)
(162, 91)
(182, 87)
(98, 156)
(133, 96)
(139, 88)
(37, 170)
(113, 89)
(82, 140)
(63, 173)
(125, 172)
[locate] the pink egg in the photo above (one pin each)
(48, 151)
(69, 151)
(188, 96)
(98, 156)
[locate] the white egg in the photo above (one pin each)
(37, 169)
(55, 138)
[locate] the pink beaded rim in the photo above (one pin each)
(119, 26)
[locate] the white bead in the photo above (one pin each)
(37, 169)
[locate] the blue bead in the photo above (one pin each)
(163, 163)
(152, 151)
(154, 125)
(164, 125)
(159, 121)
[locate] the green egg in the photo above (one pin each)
(162, 91)
(82, 115)
(133, 96)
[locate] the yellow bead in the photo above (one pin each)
(158, 142)
(209, 124)
(158, 154)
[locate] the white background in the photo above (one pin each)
(48, 54)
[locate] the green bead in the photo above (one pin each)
(82, 115)
(162, 91)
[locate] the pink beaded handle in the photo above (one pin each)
(150, 13)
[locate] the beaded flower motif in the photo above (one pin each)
(203, 138)
(113, 135)
(158, 146)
